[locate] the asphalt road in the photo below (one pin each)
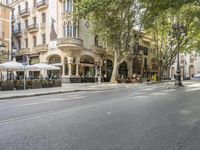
(155, 117)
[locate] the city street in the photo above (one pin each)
(146, 117)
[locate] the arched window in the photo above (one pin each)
(74, 29)
(87, 59)
(123, 69)
(54, 59)
(70, 30)
(68, 6)
(191, 71)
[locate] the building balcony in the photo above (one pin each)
(24, 13)
(33, 28)
(70, 43)
(43, 4)
(41, 48)
(17, 33)
(24, 51)
(98, 49)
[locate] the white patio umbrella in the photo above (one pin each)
(15, 66)
(11, 66)
(42, 66)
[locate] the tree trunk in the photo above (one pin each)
(115, 69)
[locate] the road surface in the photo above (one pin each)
(154, 117)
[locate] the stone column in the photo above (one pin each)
(77, 66)
(77, 69)
(100, 67)
(63, 69)
(70, 61)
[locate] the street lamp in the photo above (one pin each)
(178, 31)
(13, 52)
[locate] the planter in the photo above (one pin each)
(19, 84)
(47, 83)
(36, 84)
(57, 83)
(7, 85)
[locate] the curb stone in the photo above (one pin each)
(51, 93)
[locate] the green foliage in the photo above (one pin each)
(113, 21)
(119, 23)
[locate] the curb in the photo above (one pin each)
(51, 93)
(70, 91)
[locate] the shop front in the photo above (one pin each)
(87, 69)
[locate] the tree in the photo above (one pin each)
(119, 23)
(166, 40)
(116, 22)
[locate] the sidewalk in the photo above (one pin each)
(70, 87)
(66, 88)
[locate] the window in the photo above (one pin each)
(19, 9)
(34, 41)
(54, 59)
(19, 44)
(44, 39)
(26, 42)
(145, 62)
(19, 27)
(145, 51)
(70, 30)
(26, 5)
(87, 59)
(68, 6)
(34, 20)
(43, 17)
(34, 3)
(26, 23)
(74, 30)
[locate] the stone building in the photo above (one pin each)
(189, 65)
(46, 32)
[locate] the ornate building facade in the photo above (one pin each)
(189, 65)
(46, 32)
